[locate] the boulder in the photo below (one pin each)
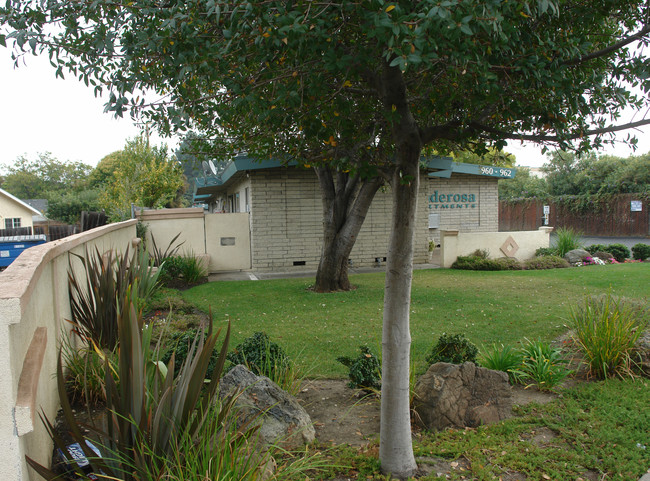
(461, 395)
(282, 419)
(576, 255)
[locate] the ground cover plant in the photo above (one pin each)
(487, 307)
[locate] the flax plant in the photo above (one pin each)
(96, 292)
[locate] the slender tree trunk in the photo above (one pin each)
(345, 206)
(396, 447)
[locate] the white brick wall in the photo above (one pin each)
(286, 218)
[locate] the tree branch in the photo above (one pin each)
(555, 138)
(607, 50)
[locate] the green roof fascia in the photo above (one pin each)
(244, 162)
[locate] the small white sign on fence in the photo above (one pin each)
(636, 206)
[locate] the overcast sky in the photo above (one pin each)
(40, 113)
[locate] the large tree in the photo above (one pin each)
(350, 78)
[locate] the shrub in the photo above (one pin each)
(641, 251)
(192, 270)
(542, 365)
(508, 264)
(267, 358)
(546, 262)
(593, 248)
(170, 269)
(481, 253)
(619, 251)
(546, 251)
(606, 330)
(476, 263)
(568, 239)
(182, 271)
(454, 349)
(364, 370)
(502, 358)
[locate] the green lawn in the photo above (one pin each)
(488, 307)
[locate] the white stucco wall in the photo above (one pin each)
(34, 298)
(455, 243)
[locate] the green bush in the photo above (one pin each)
(546, 251)
(619, 251)
(593, 248)
(192, 270)
(568, 239)
(183, 270)
(454, 349)
(641, 251)
(502, 358)
(545, 262)
(606, 330)
(171, 269)
(542, 365)
(364, 370)
(477, 263)
(259, 354)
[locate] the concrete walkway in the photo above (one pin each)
(256, 276)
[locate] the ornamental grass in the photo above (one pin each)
(606, 330)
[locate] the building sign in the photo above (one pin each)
(452, 201)
(636, 206)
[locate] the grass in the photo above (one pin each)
(488, 307)
(593, 431)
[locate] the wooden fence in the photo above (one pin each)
(616, 217)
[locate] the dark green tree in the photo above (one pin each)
(362, 87)
(523, 185)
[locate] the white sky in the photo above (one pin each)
(40, 113)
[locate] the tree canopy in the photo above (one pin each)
(37, 178)
(357, 85)
(589, 174)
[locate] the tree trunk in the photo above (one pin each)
(345, 206)
(395, 447)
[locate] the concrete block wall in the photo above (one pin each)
(286, 218)
(465, 216)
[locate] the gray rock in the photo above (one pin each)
(283, 420)
(465, 395)
(576, 255)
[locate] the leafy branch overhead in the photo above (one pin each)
(298, 77)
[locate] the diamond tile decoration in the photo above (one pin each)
(510, 247)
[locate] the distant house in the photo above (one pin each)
(15, 213)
